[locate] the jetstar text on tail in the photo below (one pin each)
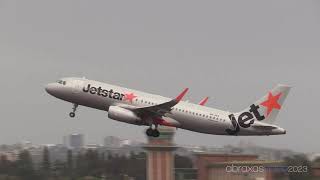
(103, 92)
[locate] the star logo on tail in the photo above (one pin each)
(129, 97)
(272, 102)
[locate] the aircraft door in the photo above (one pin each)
(77, 86)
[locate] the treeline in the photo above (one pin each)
(90, 165)
(76, 167)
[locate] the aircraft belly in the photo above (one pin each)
(92, 101)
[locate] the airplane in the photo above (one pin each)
(145, 109)
(204, 101)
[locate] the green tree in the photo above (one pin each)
(70, 167)
(80, 165)
(297, 161)
(46, 165)
(316, 162)
(4, 164)
(136, 166)
(58, 168)
(182, 162)
(24, 166)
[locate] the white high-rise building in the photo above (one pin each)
(75, 141)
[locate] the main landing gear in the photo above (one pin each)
(73, 113)
(152, 132)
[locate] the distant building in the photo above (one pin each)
(92, 146)
(112, 142)
(74, 141)
(26, 144)
(10, 156)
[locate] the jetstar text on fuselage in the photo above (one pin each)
(103, 92)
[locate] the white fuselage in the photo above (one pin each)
(190, 116)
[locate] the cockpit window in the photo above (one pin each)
(62, 82)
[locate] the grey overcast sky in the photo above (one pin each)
(233, 51)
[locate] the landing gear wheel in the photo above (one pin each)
(72, 114)
(155, 133)
(149, 132)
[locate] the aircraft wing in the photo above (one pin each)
(161, 109)
(264, 127)
(203, 101)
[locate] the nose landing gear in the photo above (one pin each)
(73, 113)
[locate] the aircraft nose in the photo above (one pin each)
(51, 88)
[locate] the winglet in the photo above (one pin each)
(203, 101)
(178, 98)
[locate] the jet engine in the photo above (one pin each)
(124, 115)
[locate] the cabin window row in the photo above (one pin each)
(186, 111)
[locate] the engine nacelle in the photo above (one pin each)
(124, 115)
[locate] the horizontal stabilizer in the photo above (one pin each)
(264, 127)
